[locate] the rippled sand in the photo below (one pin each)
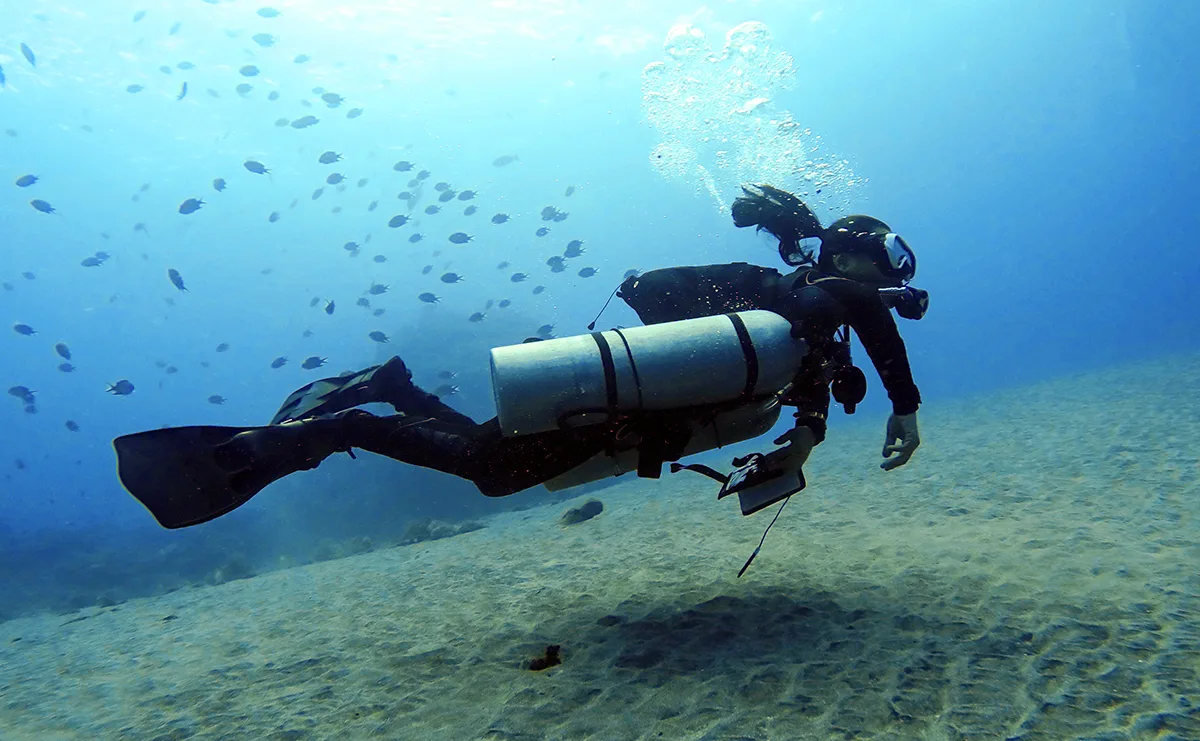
(1033, 574)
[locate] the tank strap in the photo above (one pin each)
(748, 351)
(637, 380)
(610, 371)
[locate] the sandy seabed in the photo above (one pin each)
(1033, 574)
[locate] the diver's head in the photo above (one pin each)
(864, 249)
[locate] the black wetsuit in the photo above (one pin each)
(430, 434)
(817, 306)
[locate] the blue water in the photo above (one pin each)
(1041, 159)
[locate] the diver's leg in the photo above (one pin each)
(390, 383)
(498, 465)
(189, 475)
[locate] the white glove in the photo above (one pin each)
(902, 440)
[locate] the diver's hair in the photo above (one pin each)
(775, 211)
(780, 214)
(825, 261)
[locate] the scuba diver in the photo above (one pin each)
(723, 348)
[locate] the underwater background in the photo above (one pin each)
(1041, 159)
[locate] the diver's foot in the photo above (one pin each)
(292, 446)
(393, 374)
(392, 383)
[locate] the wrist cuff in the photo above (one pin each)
(814, 423)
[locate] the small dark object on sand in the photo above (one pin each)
(545, 662)
(587, 511)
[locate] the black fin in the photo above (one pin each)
(189, 475)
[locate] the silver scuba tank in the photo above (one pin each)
(731, 425)
(591, 379)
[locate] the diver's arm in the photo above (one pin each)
(810, 395)
(815, 316)
(872, 321)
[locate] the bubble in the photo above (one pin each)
(748, 37)
(685, 41)
(719, 125)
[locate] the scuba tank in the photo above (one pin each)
(599, 377)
